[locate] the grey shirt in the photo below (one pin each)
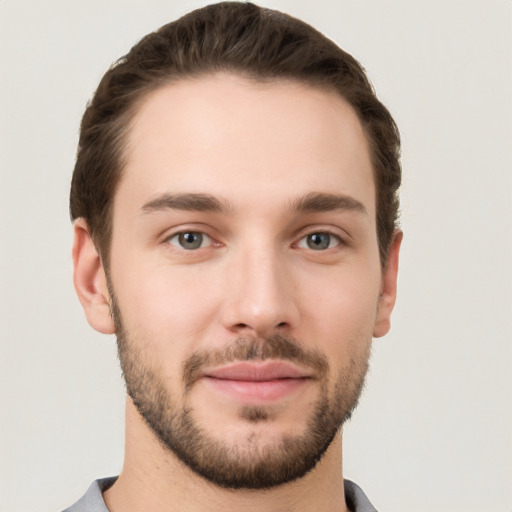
(92, 500)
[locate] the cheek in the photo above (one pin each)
(341, 311)
(164, 300)
(161, 319)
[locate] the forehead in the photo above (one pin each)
(241, 139)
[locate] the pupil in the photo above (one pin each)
(318, 241)
(191, 240)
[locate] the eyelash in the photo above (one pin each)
(179, 238)
(332, 238)
(302, 243)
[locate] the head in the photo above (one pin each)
(235, 205)
(240, 38)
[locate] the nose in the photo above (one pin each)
(259, 299)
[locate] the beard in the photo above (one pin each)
(257, 463)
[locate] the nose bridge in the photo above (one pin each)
(260, 297)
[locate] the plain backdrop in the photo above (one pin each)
(434, 429)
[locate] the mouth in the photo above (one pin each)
(257, 382)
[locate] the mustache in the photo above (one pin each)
(281, 347)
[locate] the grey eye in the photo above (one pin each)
(319, 241)
(190, 240)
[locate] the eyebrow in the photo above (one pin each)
(312, 202)
(186, 201)
(323, 202)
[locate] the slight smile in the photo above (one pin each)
(257, 382)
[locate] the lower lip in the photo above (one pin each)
(257, 391)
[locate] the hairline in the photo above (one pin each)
(125, 123)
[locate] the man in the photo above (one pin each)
(234, 203)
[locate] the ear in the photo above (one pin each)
(90, 280)
(387, 296)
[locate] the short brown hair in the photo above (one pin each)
(234, 37)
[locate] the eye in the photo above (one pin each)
(319, 241)
(190, 240)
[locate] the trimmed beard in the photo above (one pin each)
(254, 465)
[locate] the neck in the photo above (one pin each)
(153, 479)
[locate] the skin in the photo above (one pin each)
(258, 148)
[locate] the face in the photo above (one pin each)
(245, 275)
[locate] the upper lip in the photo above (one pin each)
(257, 371)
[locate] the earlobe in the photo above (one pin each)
(387, 296)
(90, 280)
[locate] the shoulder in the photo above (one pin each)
(92, 500)
(356, 499)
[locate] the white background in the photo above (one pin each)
(434, 430)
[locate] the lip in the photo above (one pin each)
(257, 371)
(257, 382)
